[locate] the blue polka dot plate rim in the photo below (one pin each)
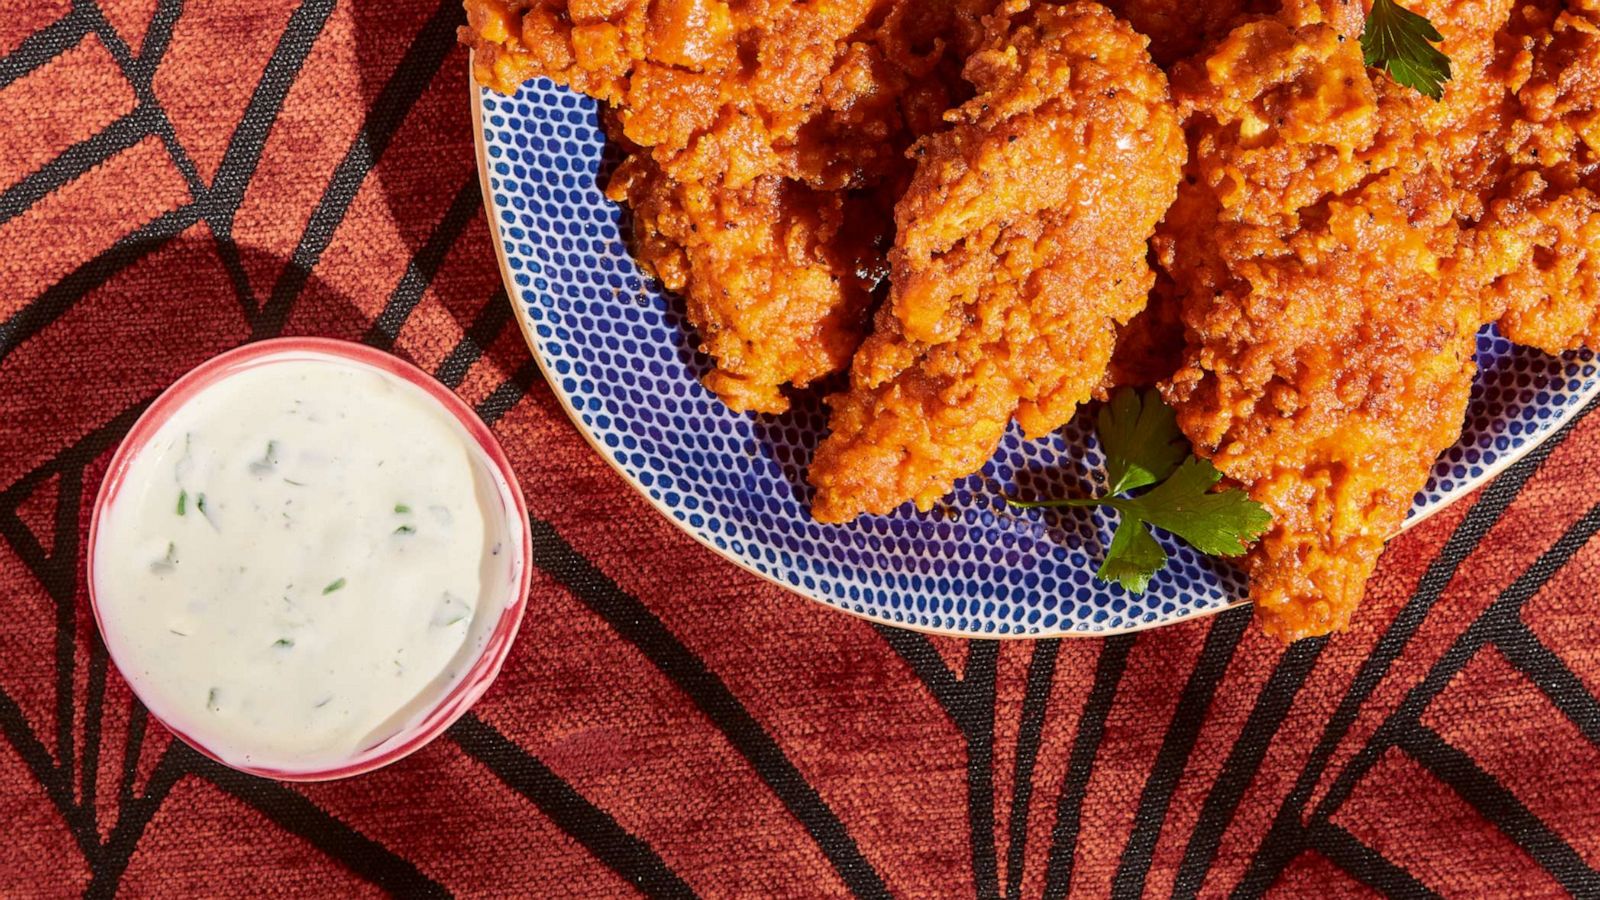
(626, 367)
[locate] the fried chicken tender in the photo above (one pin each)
(1330, 295)
(1021, 245)
(770, 249)
(1548, 191)
(763, 141)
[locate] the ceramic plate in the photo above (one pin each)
(618, 353)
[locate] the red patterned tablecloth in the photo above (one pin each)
(176, 179)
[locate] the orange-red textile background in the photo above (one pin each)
(176, 179)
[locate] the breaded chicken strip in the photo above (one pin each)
(751, 264)
(1548, 191)
(1330, 298)
(763, 138)
(1021, 245)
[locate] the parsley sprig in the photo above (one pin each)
(1143, 447)
(1400, 42)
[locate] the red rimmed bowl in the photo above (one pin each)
(437, 716)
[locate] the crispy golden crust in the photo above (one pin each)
(1011, 269)
(1547, 194)
(1330, 297)
(762, 140)
(774, 278)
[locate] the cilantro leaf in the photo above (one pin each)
(1401, 43)
(1141, 440)
(1133, 557)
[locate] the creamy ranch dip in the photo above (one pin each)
(305, 557)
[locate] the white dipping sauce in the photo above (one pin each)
(304, 558)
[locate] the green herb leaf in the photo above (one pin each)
(183, 502)
(283, 642)
(1133, 558)
(401, 508)
(334, 586)
(1143, 447)
(1141, 440)
(1218, 523)
(405, 529)
(1401, 43)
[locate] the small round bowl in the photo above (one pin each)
(466, 691)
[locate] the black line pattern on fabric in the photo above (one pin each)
(74, 161)
(44, 45)
(133, 817)
(410, 78)
(424, 265)
(501, 400)
(915, 650)
(140, 75)
(1244, 761)
(1286, 836)
(1365, 864)
(1222, 640)
(140, 79)
(593, 827)
(58, 571)
(157, 38)
(974, 714)
(132, 744)
(1546, 670)
(293, 812)
(1403, 724)
(634, 622)
(970, 704)
(1085, 747)
(1492, 801)
(59, 297)
(1030, 733)
(491, 320)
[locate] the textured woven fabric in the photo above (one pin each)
(178, 179)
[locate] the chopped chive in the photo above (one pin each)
(283, 642)
(401, 508)
(405, 529)
(211, 700)
(325, 701)
(293, 482)
(267, 462)
(200, 506)
(178, 633)
(183, 502)
(337, 584)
